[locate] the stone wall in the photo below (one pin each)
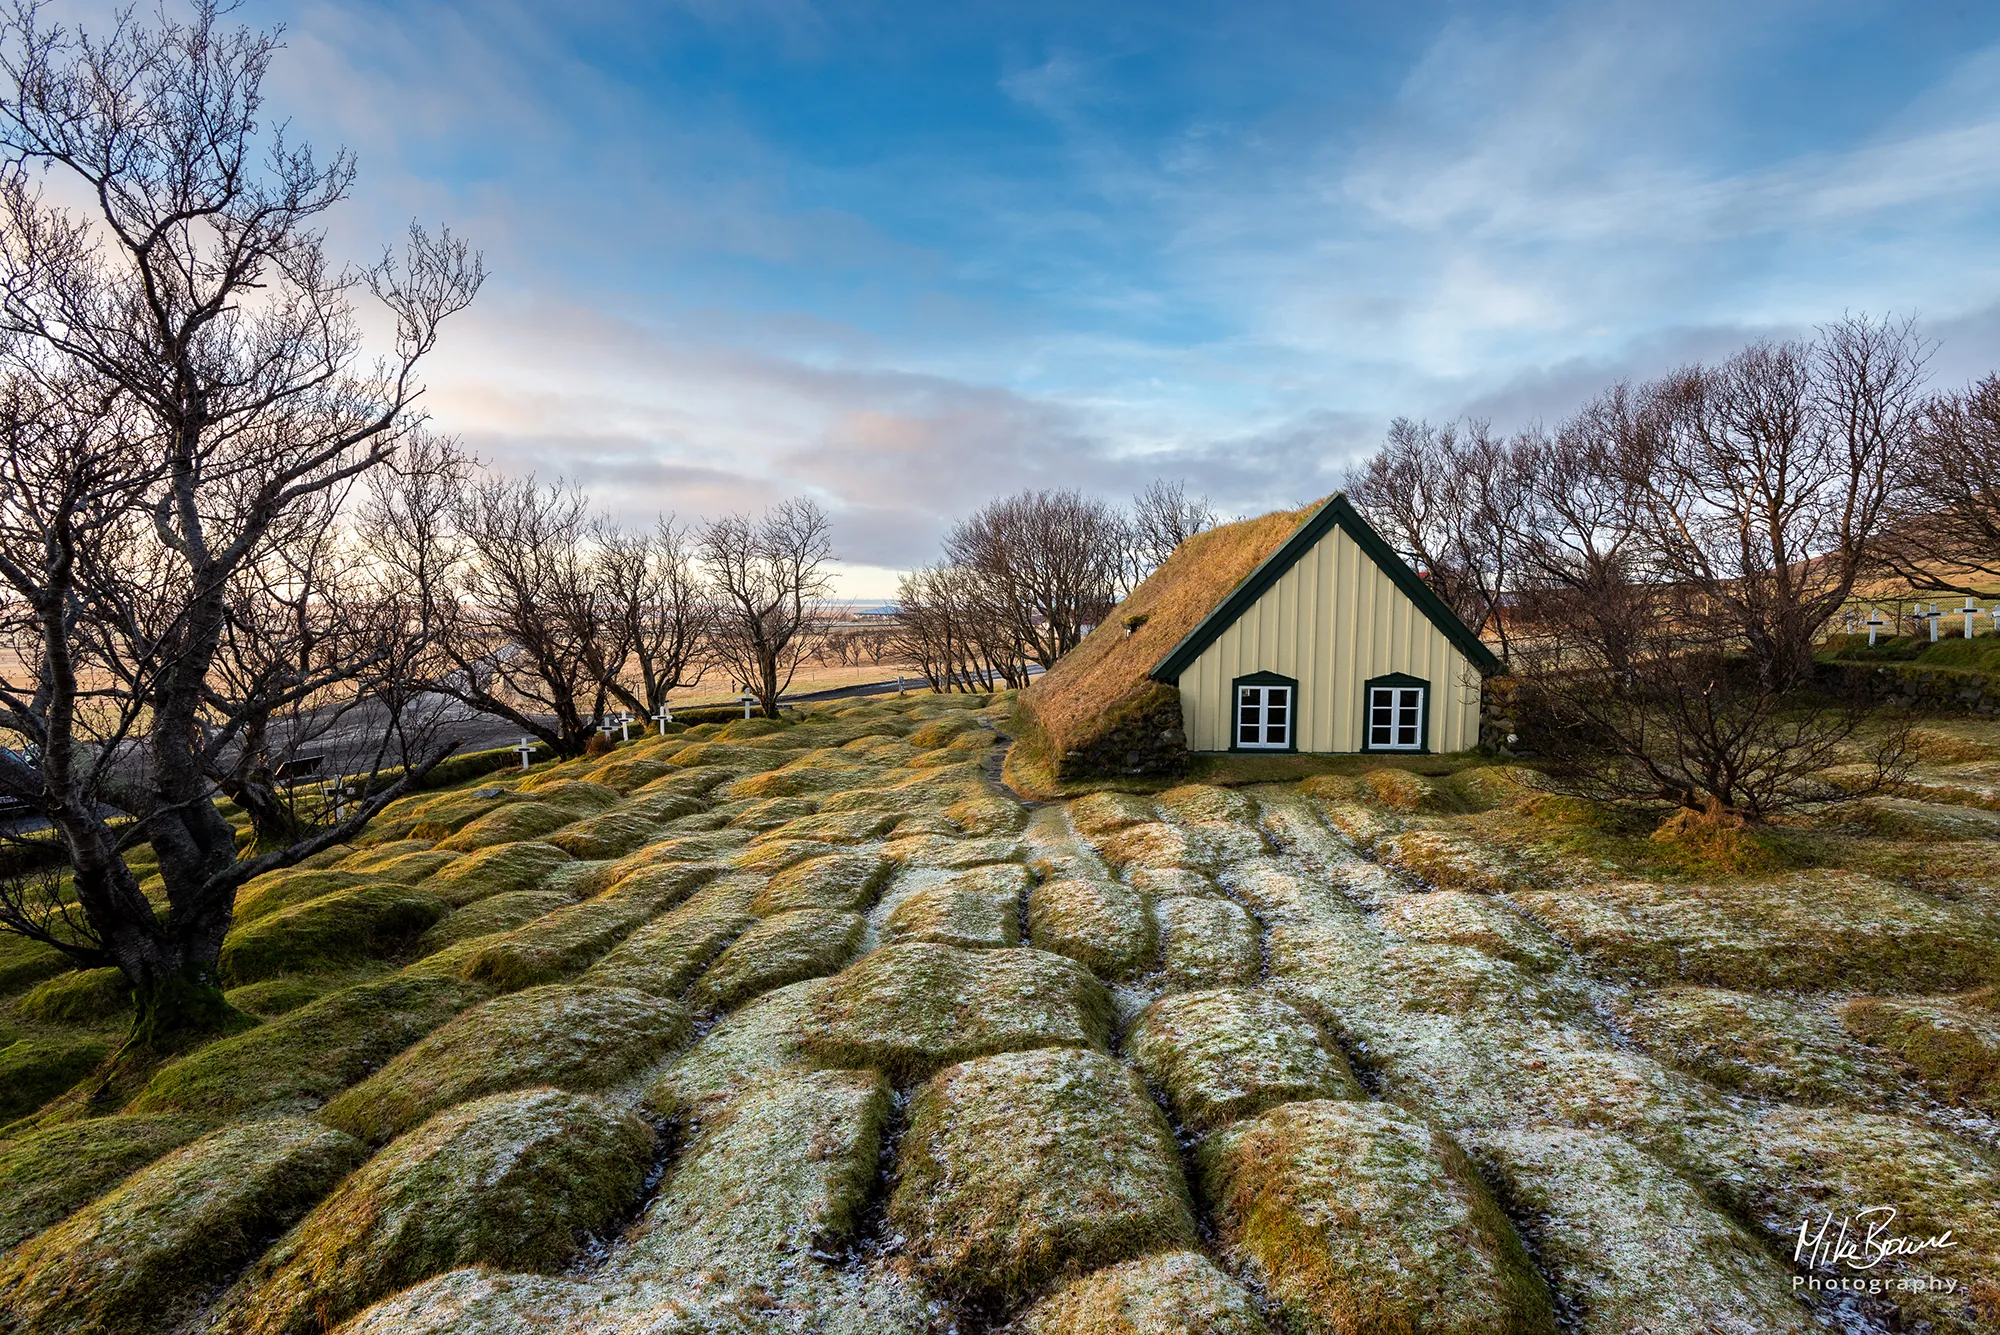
(1140, 737)
(1497, 718)
(1930, 689)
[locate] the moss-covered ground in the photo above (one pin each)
(813, 1025)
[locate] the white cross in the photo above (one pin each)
(1969, 612)
(524, 750)
(748, 700)
(604, 729)
(1875, 624)
(624, 726)
(663, 716)
(1932, 616)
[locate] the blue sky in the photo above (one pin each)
(906, 257)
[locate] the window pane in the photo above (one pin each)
(1277, 714)
(1248, 715)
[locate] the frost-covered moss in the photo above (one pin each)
(782, 1170)
(142, 1256)
(514, 1180)
(909, 1009)
(749, 1045)
(1953, 1047)
(1022, 1168)
(1225, 1054)
(50, 1173)
(568, 940)
(83, 996)
(666, 955)
(408, 862)
(1448, 861)
(286, 993)
(1632, 1246)
(35, 1070)
(777, 854)
(575, 1038)
(300, 1060)
(578, 796)
(785, 948)
(1791, 1165)
(939, 851)
(512, 823)
(497, 913)
(611, 835)
(625, 774)
(495, 871)
(1173, 1293)
(1763, 1045)
(1205, 942)
(1356, 1216)
(1811, 930)
(1400, 789)
(832, 827)
(983, 812)
(1459, 918)
(370, 920)
(1102, 813)
(846, 882)
(1101, 924)
(979, 909)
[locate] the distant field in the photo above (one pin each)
(812, 1025)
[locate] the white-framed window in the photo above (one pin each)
(1264, 718)
(1396, 718)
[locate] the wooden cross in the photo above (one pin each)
(663, 716)
(624, 725)
(1932, 617)
(604, 730)
(1969, 611)
(748, 700)
(524, 750)
(1875, 624)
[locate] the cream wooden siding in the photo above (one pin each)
(1333, 621)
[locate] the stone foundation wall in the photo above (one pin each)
(1142, 737)
(1497, 717)
(1934, 690)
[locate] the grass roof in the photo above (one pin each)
(1109, 668)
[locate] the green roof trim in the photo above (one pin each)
(1335, 510)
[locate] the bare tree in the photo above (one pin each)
(530, 640)
(1163, 517)
(947, 628)
(1446, 496)
(181, 375)
(766, 578)
(1946, 530)
(1047, 565)
(658, 610)
(1763, 486)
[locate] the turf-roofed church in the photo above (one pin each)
(1301, 631)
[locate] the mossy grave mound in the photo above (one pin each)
(1101, 924)
(300, 1060)
(980, 909)
(1025, 1167)
(780, 1172)
(83, 996)
(843, 882)
(909, 1009)
(494, 871)
(1206, 942)
(1173, 1293)
(514, 1180)
(1807, 931)
(48, 1174)
(1766, 1045)
(575, 1038)
(1952, 1046)
(138, 1258)
(372, 920)
(666, 955)
(1223, 1055)
(1632, 1246)
(785, 948)
(1356, 1216)
(35, 1070)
